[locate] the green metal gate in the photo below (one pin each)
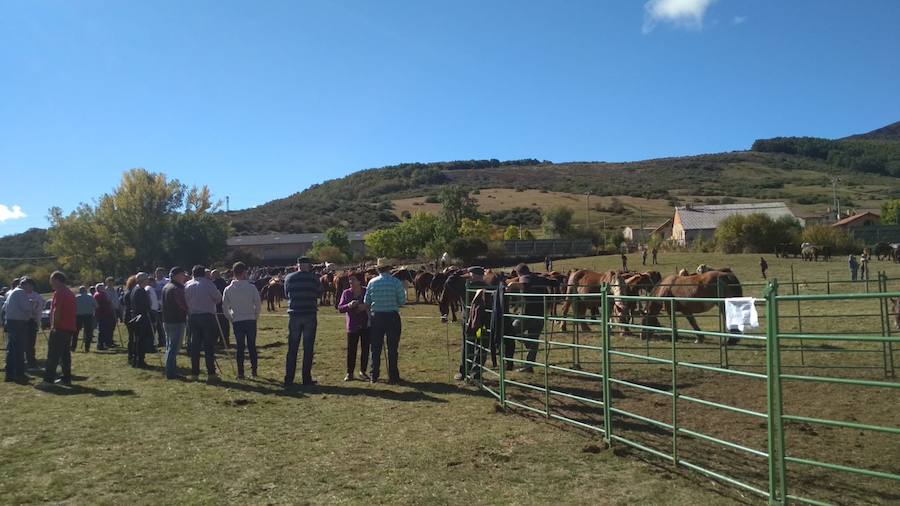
(581, 378)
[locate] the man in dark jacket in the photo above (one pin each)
(473, 343)
(224, 327)
(174, 316)
(141, 323)
(532, 308)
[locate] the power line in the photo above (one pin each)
(26, 258)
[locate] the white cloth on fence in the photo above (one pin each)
(740, 313)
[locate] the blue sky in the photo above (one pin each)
(259, 100)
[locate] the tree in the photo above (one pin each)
(527, 235)
(410, 238)
(456, 204)
(480, 228)
(145, 222)
(890, 212)
(337, 238)
(511, 233)
(467, 249)
(838, 239)
(755, 233)
(558, 221)
(331, 254)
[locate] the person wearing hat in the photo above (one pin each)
(475, 354)
(174, 317)
(202, 296)
(384, 296)
(84, 318)
(62, 328)
(302, 289)
(141, 321)
(17, 312)
(241, 304)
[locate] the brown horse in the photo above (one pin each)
(273, 293)
(705, 285)
(422, 283)
(328, 291)
(895, 309)
(583, 282)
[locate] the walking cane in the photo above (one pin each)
(222, 336)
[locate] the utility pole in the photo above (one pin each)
(643, 239)
(227, 203)
(837, 203)
(588, 194)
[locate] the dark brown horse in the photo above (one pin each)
(422, 283)
(705, 285)
(273, 293)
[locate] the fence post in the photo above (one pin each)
(777, 485)
(502, 331)
(796, 291)
(888, 346)
(607, 395)
(546, 362)
(674, 326)
(828, 282)
(723, 343)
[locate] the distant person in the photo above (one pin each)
(105, 317)
(156, 285)
(141, 309)
(763, 266)
(653, 253)
(174, 317)
(241, 305)
(34, 324)
(853, 265)
(624, 262)
(384, 296)
(352, 304)
(548, 264)
(110, 288)
(17, 313)
(127, 315)
(62, 328)
(85, 305)
(644, 255)
(864, 266)
(302, 289)
(202, 296)
(221, 284)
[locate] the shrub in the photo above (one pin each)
(839, 240)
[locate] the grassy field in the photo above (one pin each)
(124, 435)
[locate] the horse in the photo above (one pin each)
(273, 293)
(437, 285)
(422, 283)
(895, 309)
(703, 285)
(452, 295)
(328, 291)
(584, 282)
(810, 253)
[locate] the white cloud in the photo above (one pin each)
(13, 213)
(738, 20)
(683, 13)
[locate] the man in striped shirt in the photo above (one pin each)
(302, 290)
(384, 296)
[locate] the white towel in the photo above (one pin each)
(740, 313)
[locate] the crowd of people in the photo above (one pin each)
(198, 310)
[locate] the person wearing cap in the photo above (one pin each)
(105, 316)
(174, 317)
(384, 296)
(17, 312)
(528, 328)
(141, 321)
(241, 304)
(202, 296)
(62, 328)
(84, 318)
(302, 289)
(475, 353)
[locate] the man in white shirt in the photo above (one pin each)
(241, 305)
(155, 318)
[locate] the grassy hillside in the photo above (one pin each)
(377, 197)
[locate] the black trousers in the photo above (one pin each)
(138, 335)
(58, 354)
(385, 325)
(30, 342)
(360, 337)
(204, 333)
(83, 322)
(225, 328)
(158, 328)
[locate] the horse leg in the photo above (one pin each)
(693, 322)
(565, 311)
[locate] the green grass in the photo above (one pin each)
(129, 436)
(124, 435)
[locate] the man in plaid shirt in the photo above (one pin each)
(384, 296)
